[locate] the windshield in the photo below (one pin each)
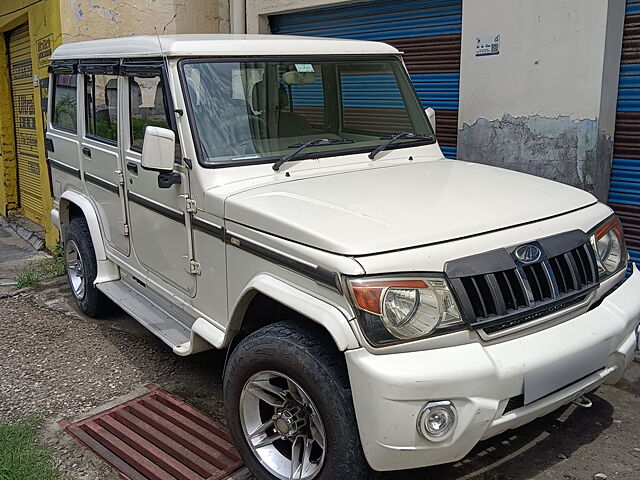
(257, 111)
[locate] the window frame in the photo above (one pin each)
(93, 136)
(193, 129)
(149, 67)
(62, 67)
(109, 66)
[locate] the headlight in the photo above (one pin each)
(392, 309)
(608, 243)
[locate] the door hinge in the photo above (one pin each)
(119, 177)
(195, 268)
(125, 230)
(190, 205)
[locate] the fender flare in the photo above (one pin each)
(317, 310)
(107, 270)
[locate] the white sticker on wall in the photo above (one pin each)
(304, 67)
(487, 45)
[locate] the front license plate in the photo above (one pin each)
(555, 376)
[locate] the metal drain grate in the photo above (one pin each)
(159, 437)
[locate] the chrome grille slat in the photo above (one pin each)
(496, 294)
(511, 303)
(559, 274)
(553, 284)
(572, 270)
(582, 271)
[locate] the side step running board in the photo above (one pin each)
(151, 315)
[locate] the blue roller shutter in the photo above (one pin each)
(428, 31)
(624, 192)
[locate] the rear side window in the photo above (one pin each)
(65, 105)
(101, 106)
(147, 107)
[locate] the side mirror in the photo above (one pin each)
(158, 154)
(431, 115)
(158, 149)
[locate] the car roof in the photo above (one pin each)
(216, 45)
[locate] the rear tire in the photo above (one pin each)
(82, 268)
(289, 387)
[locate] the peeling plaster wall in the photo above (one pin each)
(546, 103)
(92, 19)
(575, 152)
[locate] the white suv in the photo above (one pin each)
(285, 198)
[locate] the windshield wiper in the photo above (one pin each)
(316, 142)
(394, 138)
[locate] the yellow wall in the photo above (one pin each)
(45, 34)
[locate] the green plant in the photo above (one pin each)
(41, 270)
(139, 125)
(20, 456)
(64, 112)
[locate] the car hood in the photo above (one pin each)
(389, 208)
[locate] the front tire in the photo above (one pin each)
(289, 406)
(82, 268)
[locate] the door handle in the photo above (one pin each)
(132, 167)
(87, 152)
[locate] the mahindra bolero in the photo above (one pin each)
(286, 199)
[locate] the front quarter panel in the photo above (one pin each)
(250, 273)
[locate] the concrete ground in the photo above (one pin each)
(15, 254)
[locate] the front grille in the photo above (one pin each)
(496, 290)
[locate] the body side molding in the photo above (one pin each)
(316, 272)
(63, 167)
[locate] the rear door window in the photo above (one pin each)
(65, 105)
(147, 107)
(101, 106)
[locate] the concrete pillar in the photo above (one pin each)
(545, 104)
(238, 16)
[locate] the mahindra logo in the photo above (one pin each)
(528, 253)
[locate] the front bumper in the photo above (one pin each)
(390, 390)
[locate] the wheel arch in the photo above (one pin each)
(266, 290)
(72, 205)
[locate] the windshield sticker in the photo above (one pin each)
(304, 68)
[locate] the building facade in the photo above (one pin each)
(29, 32)
(546, 87)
